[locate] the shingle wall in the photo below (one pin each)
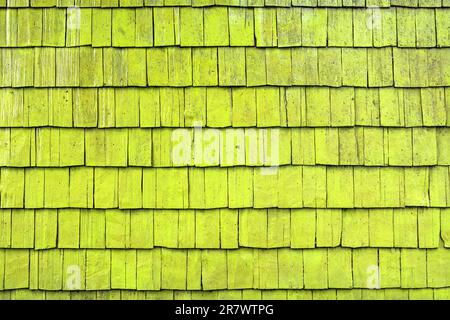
(221, 149)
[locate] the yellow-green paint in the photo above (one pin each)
(154, 149)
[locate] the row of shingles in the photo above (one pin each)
(237, 187)
(224, 107)
(249, 294)
(222, 26)
(224, 228)
(196, 269)
(181, 67)
(249, 3)
(164, 147)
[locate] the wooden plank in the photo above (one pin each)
(105, 187)
(367, 107)
(303, 228)
(130, 192)
(315, 269)
(278, 62)
(50, 269)
(328, 227)
(191, 28)
(279, 228)
(289, 27)
(44, 66)
(74, 267)
(29, 27)
(194, 270)
(318, 108)
(393, 187)
(240, 187)
(56, 184)
(417, 186)
(303, 146)
(340, 27)
(71, 147)
(164, 32)
(385, 32)
(36, 105)
(20, 142)
(123, 27)
(433, 107)
(248, 235)
(117, 228)
(265, 27)
(437, 273)
(362, 27)
(46, 226)
(290, 269)
(405, 228)
(218, 107)
(255, 70)
(442, 27)
(60, 107)
(314, 27)
(265, 189)
(367, 187)
(229, 237)
(232, 66)
(171, 188)
(186, 230)
(12, 185)
(290, 187)
(400, 147)
(22, 228)
(407, 33)
(355, 228)
(101, 27)
(214, 269)
(330, 67)
(68, 228)
(91, 67)
(381, 228)
(98, 269)
(244, 107)
(216, 26)
(238, 260)
(165, 230)
(365, 268)
(53, 27)
(389, 263)
(81, 187)
(340, 273)
(207, 229)
(173, 269)
(123, 269)
(141, 229)
(426, 28)
(428, 227)
(439, 182)
(354, 67)
(148, 269)
(85, 107)
(380, 72)
(413, 268)
(92, 229)
(241, 26)
(424, 146)
(148, 188)
(205, 66)
(314, 186)
(16, 269)
(340, 188)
